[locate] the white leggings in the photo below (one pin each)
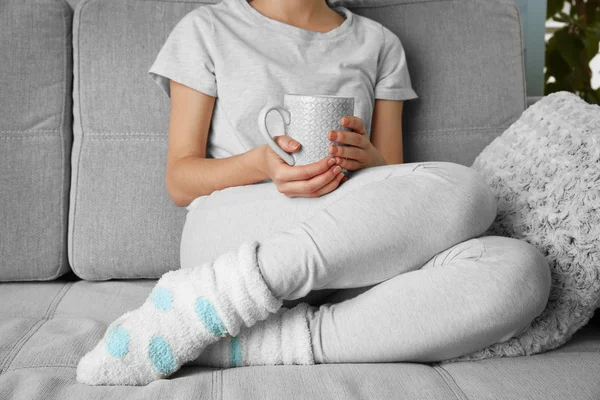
(392, 261)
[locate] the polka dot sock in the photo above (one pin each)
(282, 338)
(187, 310)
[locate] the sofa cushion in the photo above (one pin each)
(469, 91)
(122, 221)
(35, 138)
(46, 327)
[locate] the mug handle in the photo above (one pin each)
(262, 125)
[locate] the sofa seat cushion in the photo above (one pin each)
(46, 327)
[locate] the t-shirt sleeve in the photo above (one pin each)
(393, 79)
(187, 55)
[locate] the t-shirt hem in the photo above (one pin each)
(396, 94)
(162, 79)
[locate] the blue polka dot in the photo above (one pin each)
(162, 298)
(116, 341)
(208, 315)
(235, 352)
(161, 355)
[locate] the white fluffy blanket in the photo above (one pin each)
(545, 171)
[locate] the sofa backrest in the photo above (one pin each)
(35, 138)
(465, 60)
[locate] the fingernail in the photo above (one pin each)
(293, 143)
(331, 161)
(337, 169)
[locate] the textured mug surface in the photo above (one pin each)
(308, 120)
(312, 117)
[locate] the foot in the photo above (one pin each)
(185, 312)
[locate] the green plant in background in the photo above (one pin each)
(571, 48)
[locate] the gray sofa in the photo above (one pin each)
(87, 227)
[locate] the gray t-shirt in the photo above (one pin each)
(246, 60)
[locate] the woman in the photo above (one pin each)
(387, 266)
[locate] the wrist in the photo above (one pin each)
(382, 161)
(378, 158)
(256, 161)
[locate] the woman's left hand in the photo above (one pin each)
(360, 152)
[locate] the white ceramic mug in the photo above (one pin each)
(308, 120)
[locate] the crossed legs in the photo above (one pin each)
(374, 243)
(406, 237)
(411, 231)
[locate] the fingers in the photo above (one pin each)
(355, 153)
(349, 164)
(287, 143)
(356, 140)
(354, 123)
(312, 187)
(330, 186)
(352, 138)
(304, 172)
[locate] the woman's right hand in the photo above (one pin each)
(311, 180)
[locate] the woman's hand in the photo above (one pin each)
(360, 152)
(311, 180)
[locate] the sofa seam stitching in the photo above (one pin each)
(212, 385)
(41, 366)
(48, 316)
(25, 338)
(93, 135)
(54, 131)
(42, 137)
(221, 384)
(52, 310)
(450, 382)
(6, 362)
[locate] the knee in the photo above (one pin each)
(484, 197)
(531, 277)
(480, 203)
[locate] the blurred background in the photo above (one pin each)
(561, 47)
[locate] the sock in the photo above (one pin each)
(187, 310)
(282, 338)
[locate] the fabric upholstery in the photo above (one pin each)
(35, 138)
(469, 93)
(46, 327)
(122, 223)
